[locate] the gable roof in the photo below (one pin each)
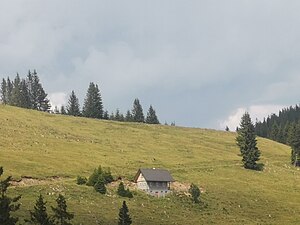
(155, 175)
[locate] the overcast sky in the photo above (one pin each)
(199, 63)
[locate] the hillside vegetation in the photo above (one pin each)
(43, 145)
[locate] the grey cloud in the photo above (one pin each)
(192, 56)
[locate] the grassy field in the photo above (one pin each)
(42, 145)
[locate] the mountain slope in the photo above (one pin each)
(42, 145)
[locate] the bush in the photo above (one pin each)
(105, 174)
(100, 186)
(195, 192)
(122, 192)
(81, 180)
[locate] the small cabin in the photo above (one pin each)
(155, 182)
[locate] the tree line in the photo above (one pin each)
(283, 128)
(26, 93)
(29, 93)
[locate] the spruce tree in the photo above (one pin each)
(195, 193)
(246, 140)
(73, 105)
(39, 100)
(124, 217)
(39, 215)
(151, 116)
(128, 117)
(16, 94)
(9, 91)
(7, 204)
(137, 112)
(63, 110)
(105, 115)
(3, 91)
(93, 106)
(294, 142)
(100, 185)
(61, 215)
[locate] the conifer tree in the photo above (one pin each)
(227, 128)
(100, 185)
(294, 142)
(128, 117)
(73, 105)
(24, 97)
(124, 217)
(124, 192)
(7, 204)
(93, 106)
(63, 110)
(9, 91)
(137, 112)
(3, 91)
(39, 100)
(15, 96)
(105, 115)
(151, 116)
(61, 215)
(246, 140)
(39, 215)
(195, 192)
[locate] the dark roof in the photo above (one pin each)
(155, 175)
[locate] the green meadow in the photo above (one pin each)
(43, 146)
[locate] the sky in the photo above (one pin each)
(199, 63)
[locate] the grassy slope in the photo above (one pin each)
(40, 145)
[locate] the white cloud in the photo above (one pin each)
(57, 99)
(258, 112)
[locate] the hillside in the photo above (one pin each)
(42, 145)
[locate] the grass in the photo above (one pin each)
(42, 145)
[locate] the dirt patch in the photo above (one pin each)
(31, 181)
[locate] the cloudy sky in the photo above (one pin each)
(199, 63)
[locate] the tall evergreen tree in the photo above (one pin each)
(16, 94)
(294, 142)
(24, 98)
(151, 116)
(93, 106)
(124, 217)
(137, 112)
(128, 117)
(61, 215)
(38, 95)
(105, 115)
(195, 192)
(73, 105)
(63, 110)
(9, 91)
(7, 204)
(39, 215)
(246, 140)
(3, 91)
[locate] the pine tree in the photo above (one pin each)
(100, 185)
(61, 215)
(73, 105)
(63, 110)
(128, 117)
(124, 192)
(227, 128)
(9, 91)
(24, 98)
(195, 192)
(246, 140)
(124, 218)
(105, 115)
(3, 92)
(294, 142)
(39, 215)
(93, 106)
(7, 204)
(39, 100)
(15, 96)
(151, 116)
(137, 112)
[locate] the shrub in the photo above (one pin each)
(124, 192)
(195, 192)
(105, 174)
(81, 180)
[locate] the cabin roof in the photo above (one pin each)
(155, 175)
